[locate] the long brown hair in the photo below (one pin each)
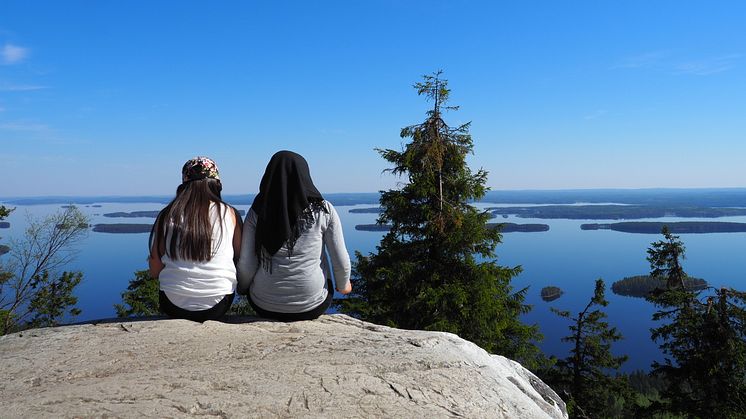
(187, 218)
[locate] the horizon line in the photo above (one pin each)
(649, 189)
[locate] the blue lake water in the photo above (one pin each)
(564, 256)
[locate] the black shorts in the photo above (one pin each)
(217, 311)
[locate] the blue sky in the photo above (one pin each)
(111, 97)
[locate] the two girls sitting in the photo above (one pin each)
(203, 254)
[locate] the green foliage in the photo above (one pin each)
(4, 212)
(241, 307)
(584, 376)
(645, 384)
(32, 293)
(435, 268)
(141, 297)
(53, 298)
(664, 261)
(704, 343)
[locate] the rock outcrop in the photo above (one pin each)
(335, 366)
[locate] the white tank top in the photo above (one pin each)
(195, 285)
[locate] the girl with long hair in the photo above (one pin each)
(286, 236)
(194, 245)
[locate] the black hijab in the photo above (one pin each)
(285, 204)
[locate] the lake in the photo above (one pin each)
(564, 256)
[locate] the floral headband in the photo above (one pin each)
(199, 168)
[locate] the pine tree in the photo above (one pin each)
(435, 269)
(703, 340)
(584, 376)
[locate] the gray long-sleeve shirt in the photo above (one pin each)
(296, 283)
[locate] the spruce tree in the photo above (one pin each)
(141, 297)
(435, 269)
(585, 375)
(703, 339)
(664, 256)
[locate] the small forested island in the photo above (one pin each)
(4, 249)
(373, 227)
(519, 228)
(373, 210)
(504, 227)
(133, 214)
(641, 286)
(145, 214)
(122, 228)
(614, 212)
(680, 227)
(551, 293)
(4, 224)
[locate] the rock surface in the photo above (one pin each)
(335, 366)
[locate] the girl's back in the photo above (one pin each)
(295, 281)
(183, 277)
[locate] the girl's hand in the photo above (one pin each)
(346, 290)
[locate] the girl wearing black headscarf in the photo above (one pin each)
(286, 237)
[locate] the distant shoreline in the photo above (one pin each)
(680, 227)
(696, 197)
(123, 228)
(506, 227)
(615, 212)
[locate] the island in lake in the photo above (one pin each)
(122, 228)
(504, 227)
(519, 228)
(551, 293)
(133, 214)
(4, 249)
(680, 227)
(614, 212)
(373, 210)
(641, 286)
(373, 227)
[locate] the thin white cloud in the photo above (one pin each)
(13, 54)
(709, 66)
(595, 114)
(645, 60)
(24, 126)
(20, 87)
(665, 61)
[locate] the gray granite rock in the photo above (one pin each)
(335, 367)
